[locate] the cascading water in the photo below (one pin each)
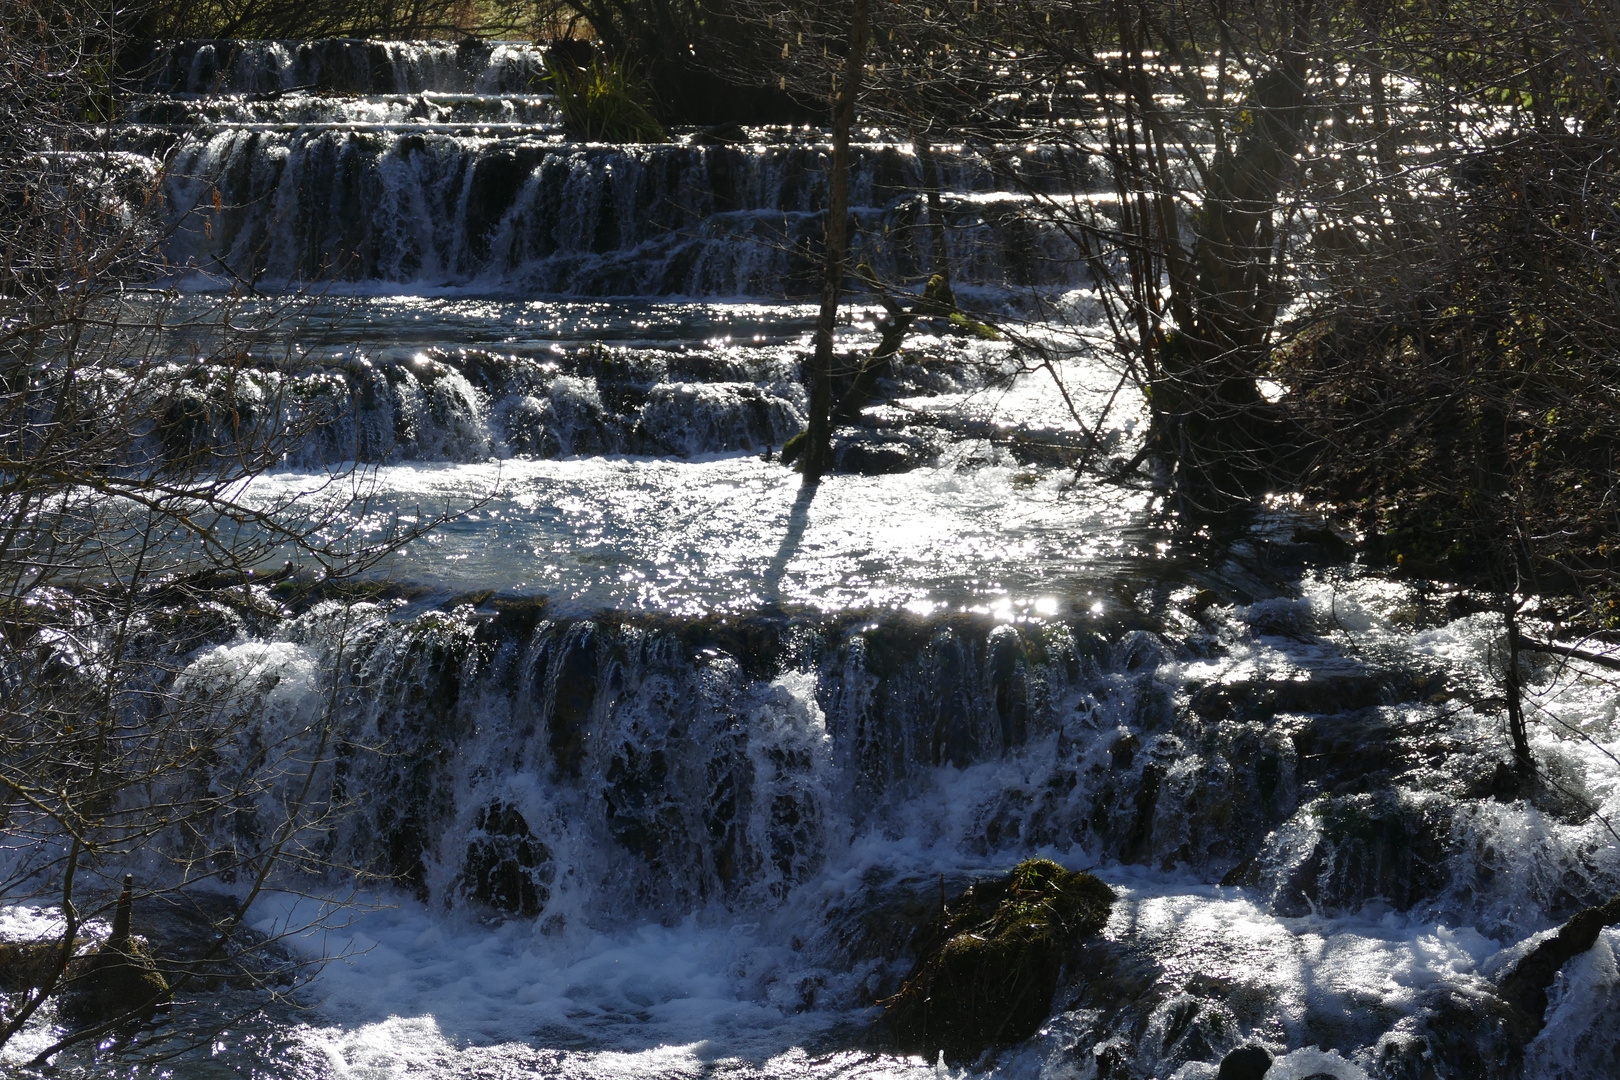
(454, 169)
(666, 760)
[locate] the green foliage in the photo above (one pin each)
(603, 101)
(986, 973)
(974, 327)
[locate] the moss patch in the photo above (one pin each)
(27, 964)
(986, 973)
(117, 979)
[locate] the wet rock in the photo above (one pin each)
(1331, 545)
(1348, 744)
(1203, 795)
(988, 970)
(1185, 1028)
(517, 617)
(1116, 979)
(725, 134)
(568, 671)
(1314, 692)
(27, 964)
(1380, 845)
(496, 180)
(869, 454)
(1245, 1063)
(1525, 986)
(116, 980)
(506, 868)
(1456, 1033)
(1245, 874)
(880, 924)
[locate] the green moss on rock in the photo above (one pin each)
(986, 972)
(27, 964)
(794, 447)
(119, 978)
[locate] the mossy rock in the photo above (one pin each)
(985, 975)
(794, 447)
(27, 964)
(116, 979)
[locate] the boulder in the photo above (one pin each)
(27, 964)
(1245, 1063)
(114, 980)
(506, 867)
(987, 970)
(881, 454)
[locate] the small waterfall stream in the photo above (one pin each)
(662, 762)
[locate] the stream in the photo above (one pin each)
(666, 755)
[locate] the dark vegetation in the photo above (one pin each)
(1467, 420)
(236, 19)
(118, 541)
(602, 99)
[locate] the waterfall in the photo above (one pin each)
(451, 168)
(580, 775)
(653, 760)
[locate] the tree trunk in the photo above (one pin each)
(818, 449)
(1205, 384)
(936, 213)
(1523, 763)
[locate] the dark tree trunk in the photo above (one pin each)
(818, 448)
(936, 213)
(1206, 399)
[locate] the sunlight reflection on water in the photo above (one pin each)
(737, 533)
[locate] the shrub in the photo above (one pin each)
(603, 101)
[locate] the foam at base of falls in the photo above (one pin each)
(425, 995)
